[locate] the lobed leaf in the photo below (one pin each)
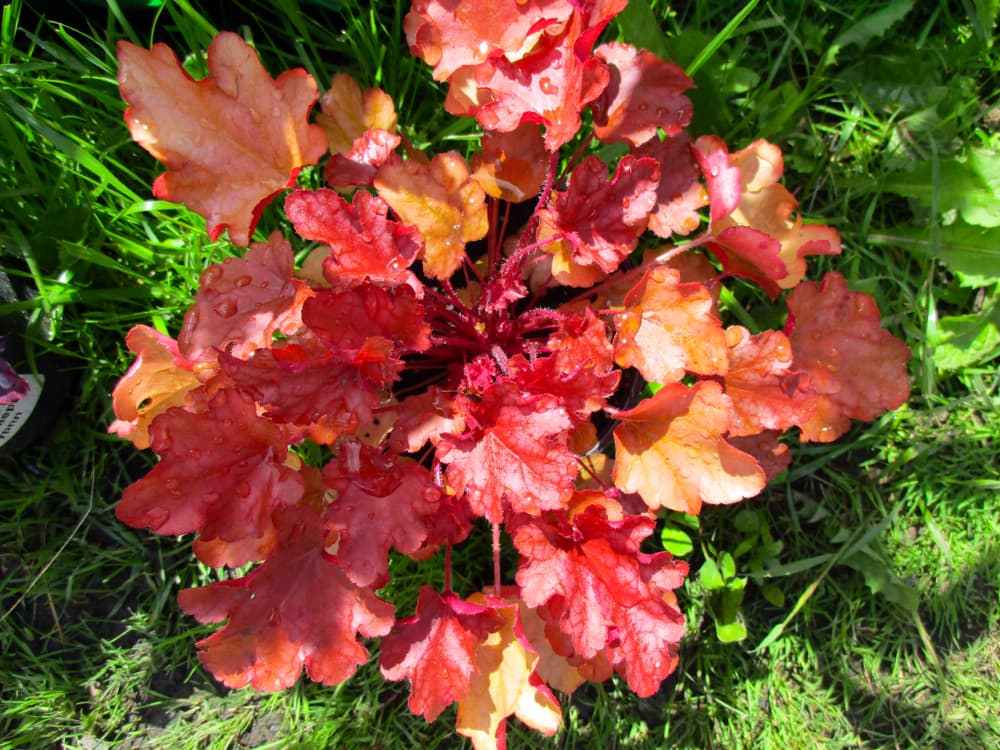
(230, 142)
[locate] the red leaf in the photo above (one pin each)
(435, 649)
(722, 178)
(297, 609)
(239, 462)
(364, 244)
(358, 167)
(298, 385)
(454, 35)
(668, 328)
(538, 69)
(367, 324)
(643, 95)
(231, 141)
(579, 370)
(594, 224)
(857, 368)
(422, 418)
(767, 394)
(243, 301)
(380, 503)
(670, 449)
(593, 581)
(516, 455)
(159, 379)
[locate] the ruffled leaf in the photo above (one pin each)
(857, 368)
(516, 456)
(593, 581)
(505, 684)
(644, 94)
(159, 379)
(365, 245)
(442, 201)
(298, 609)
(671, 450)
(668, 328)
(380, 504)
(595, 223)
(231, 141)
(436, 650)
(239, 461)
(242, 302)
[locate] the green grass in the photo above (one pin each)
(94, 651)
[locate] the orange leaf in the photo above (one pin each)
(670, 449)
(668, 328)
(347, 112)
(512, 166)
(158, 379)
(767, 393)
(505, 684)
(857, 368)
(442, 201)
(231, 141)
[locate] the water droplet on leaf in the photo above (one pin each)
(225, 309)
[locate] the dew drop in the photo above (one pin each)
(243, 489)
(274, 616)
(546, 85)
(834, 351)
(661, 112)
(242, 281)
(172, 484)
(626, 202)
(714, 171)
(225, 309)
(816, 335)
(371, 516)
(211, 274)
(643, 107)
(156, 517)
(264, 284)
(194, 453)
(218, 440)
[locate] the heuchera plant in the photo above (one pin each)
(465, 370)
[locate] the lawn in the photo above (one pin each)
(854, 604)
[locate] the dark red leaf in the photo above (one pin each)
(380, 504)
(222, 473)
(513, 454)
(594, 224)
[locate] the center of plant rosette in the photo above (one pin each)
(471, 337)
